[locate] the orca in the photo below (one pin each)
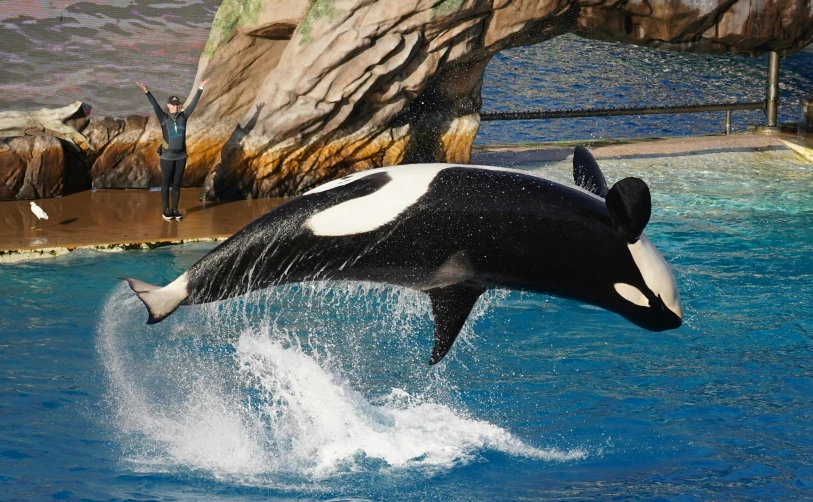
(453, 232)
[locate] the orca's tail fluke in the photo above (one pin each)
(160, 302)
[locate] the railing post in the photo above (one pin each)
(727, 122)
(772, 91)
(806, 119)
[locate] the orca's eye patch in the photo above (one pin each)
(631, 294)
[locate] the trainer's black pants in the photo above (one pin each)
(171, 172)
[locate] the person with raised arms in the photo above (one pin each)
(173, 149)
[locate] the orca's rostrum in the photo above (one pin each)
(453, 232)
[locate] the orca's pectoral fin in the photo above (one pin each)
(586, 172)
(451, 307)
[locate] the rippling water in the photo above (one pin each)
(323, 392)
(569, 73)
(57, 51)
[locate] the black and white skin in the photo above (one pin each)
(452, 232)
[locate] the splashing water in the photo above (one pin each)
(288, 383)
(314, 381)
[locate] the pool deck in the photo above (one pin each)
(117, 220)
(642, 148)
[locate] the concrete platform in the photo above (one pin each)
(113, 220)
(517, 155)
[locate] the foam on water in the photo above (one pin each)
(713, 185)
(272, 402)
(197, 423)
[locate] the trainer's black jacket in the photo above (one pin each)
(173, 127)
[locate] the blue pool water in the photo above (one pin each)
(572, 73)
(323, 392)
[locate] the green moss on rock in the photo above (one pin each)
(317, 10)
(231, 15)
(446, 6)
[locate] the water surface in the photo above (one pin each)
(323, 392)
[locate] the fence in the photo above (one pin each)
(770, 106)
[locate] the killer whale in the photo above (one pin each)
(453, 232)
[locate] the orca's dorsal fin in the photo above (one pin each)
(586, 172)
(630, 206)
(451, 307)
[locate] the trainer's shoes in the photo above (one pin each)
(177, 214)
(167, 215)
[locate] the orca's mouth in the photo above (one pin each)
(666, 320)
(657, 317)
(676, 320)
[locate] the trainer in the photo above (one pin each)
(173, 149)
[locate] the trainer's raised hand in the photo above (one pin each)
(202, 84)
(143, 87)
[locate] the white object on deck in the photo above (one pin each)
(38, 212)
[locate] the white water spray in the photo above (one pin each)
(281, 385)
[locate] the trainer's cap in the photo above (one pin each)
(174, 100)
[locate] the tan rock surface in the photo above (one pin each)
(368, 83)
(31, 167)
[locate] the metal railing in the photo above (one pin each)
(770, 106)
(612, 112)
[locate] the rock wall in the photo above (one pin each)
(367, 83)
(31, 168)
(121, 155)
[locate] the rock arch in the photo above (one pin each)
(365, 83)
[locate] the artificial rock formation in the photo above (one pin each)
(303, 91)
(34, 152)
(31, 168)
(50, 121)
(367, 83)
(74, 153)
